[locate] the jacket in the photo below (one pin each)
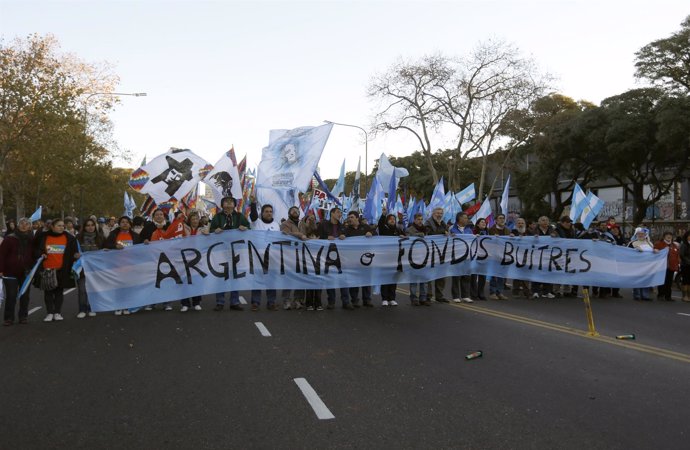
(228, 222)
(16, 261)
(64, 273)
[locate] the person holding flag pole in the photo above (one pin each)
(16, 260)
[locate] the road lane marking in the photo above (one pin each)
(683, 314)
(262, 329)
(68, 291)
(33, 310)
(242, 300)
(580, 333)
(319, 407)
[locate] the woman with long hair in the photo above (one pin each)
(59, 250)
(192, 228)
(478, 282)
(90, 239)
(120, 238)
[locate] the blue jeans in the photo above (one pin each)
(366, 294)
(422, 291)
(344, 296)
(270, 297)
(641, 293)
(496, 285)
(234, 298)
(194, 300)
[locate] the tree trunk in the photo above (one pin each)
(3, 225)
(482, 177)
(639, 204)
(19, 199)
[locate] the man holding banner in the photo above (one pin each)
(16, 260)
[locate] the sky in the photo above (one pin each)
(224, 73)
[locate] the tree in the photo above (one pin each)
(666, 62)
(645, 138)
(42, 115)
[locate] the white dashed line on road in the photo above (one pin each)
(33, 310)
(319, 407)
(242, 300)
(262, 329)
(683, 314)
(68, 291)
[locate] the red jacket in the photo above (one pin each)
(13, 262)
(673, 254)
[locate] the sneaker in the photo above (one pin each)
(457, 300)
(236, 307)
(23, 321)
(49, 318)
(384, 303)
(298, 304)
(126, 312)
(148, 308)
(415, 302)
(502, 297)
(467, 300)
(319, 308)
(393, 303)
(184, 309)
(8, 323)
(425, 303)
(218, 307)
(549, 295)
(493, 297)
(118, 312)
(287, 305)
(535, 295)
(349, 307)
(310, 308)
(92, 314)
(368, 304)
(442, 300)
(330, 306)
(57, 317)
(272, 307)
(254, 307)
(81, 315)
(168, 308)
(197, 307)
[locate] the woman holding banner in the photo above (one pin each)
(90, 239)
(16, 260)
(122, 237)
(59, 250)
(478, 282)
(192, 228)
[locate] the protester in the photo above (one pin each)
(263, 223)
(309, 230)
(664, 291)
(291, 228)
(478, 282)
(60, 250)
(193, 227)
(119, 239)
(11, 227)
(685, 266)
(90, 239)
(460, 284)
(543, 228)
(332, 229)
(228, 219)
(520, 230)
(418, 229)
(436, 226)
(496, 283)
(641, 242)
(388, 226)
(619, 239)
(16, 260)
(565, 230)
(355, 228)
(69, 226)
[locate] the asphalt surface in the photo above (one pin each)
(393, 377)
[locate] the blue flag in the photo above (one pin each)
(466, 195)
(593, 205)
(438, 198)
(339, 187)
(37, 214)
(372, 207)
(392, 188)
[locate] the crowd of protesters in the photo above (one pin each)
(60, 243)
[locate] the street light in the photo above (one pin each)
(86, 105)
(366, 149)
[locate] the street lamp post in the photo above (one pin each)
(86, 105)
(366, 149)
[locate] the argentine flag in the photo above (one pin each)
(592, 206)
(578, 203)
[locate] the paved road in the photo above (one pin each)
(392, 377)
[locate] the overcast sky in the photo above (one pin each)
(223, 73)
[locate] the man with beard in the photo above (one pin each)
(291, 227)
(16, 260)
(265, 223)
(355, 228)
(436, 226)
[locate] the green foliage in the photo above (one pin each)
(666, 62)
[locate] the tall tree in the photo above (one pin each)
(666, 62)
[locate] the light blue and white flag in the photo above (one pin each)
(129, 206)
(29, 277)
(255, 260)
(438, 199)
(374, 206)
(466, 195)
(386, 171)
(593, 205)
(339, 186)
(504, 197)
(577, 203)
(36, 215)
(287, 166)
(392, 190)
(355, 188)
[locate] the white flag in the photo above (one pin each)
(224, 179)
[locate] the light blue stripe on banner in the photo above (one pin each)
(235, 260)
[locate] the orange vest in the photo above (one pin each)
(55, 251)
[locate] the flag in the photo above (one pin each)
(484, 212)
(37, 214)
(466, 195)
(287, 165)
(129, 206)
(504, 197)
(451, 208)
(577, 203)
(224, 179)
(29, 277)
(339, 187)
(77, 266)
(438, 198)
(593, 205)
(148, 207)
(386, 171)
(324, 188)
(170, 176)
(372, 207)
(355, 188)
(242, 165)
(188, 202)
(143, 162)
(392, 189)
